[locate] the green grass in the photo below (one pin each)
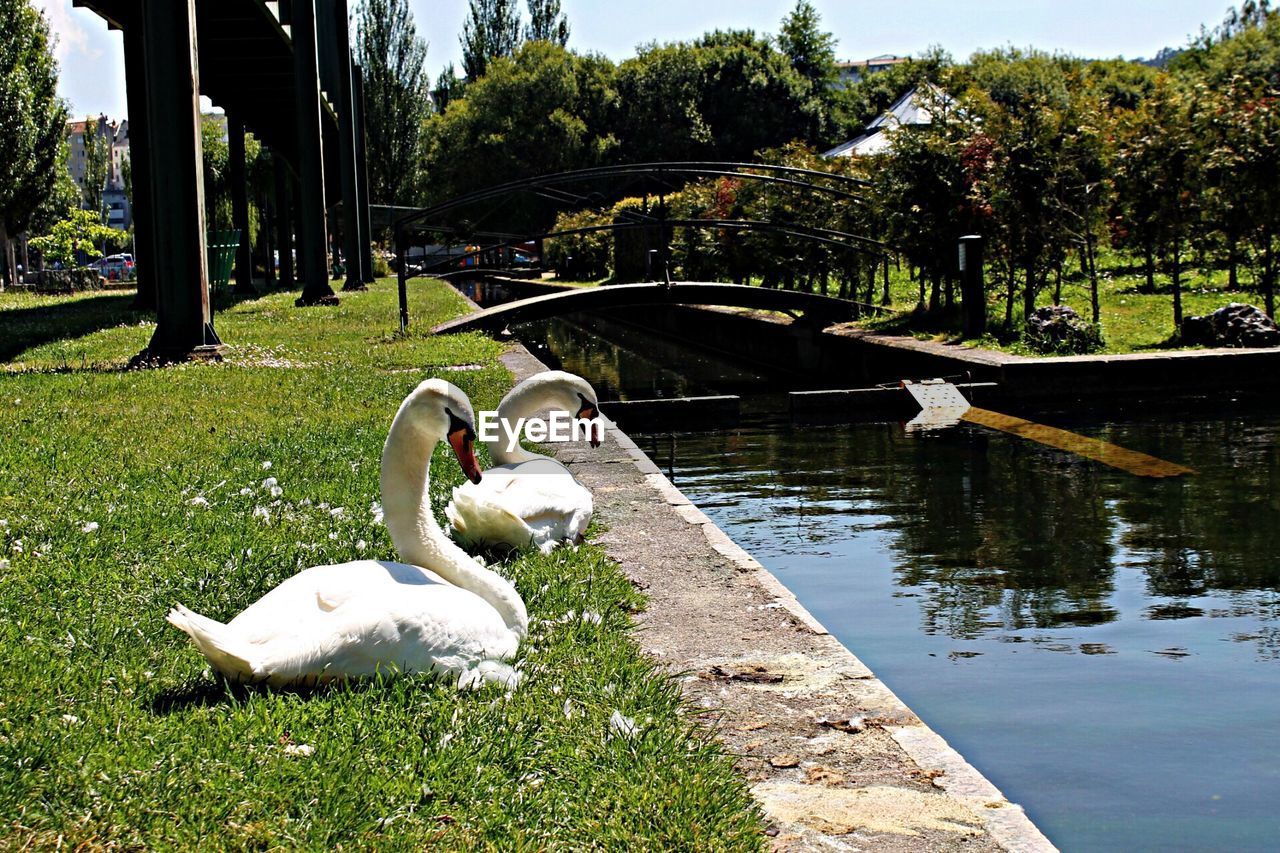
(111, 730)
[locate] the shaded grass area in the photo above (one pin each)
(113, 733)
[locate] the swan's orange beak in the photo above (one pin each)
(462, 439)
(589, 412)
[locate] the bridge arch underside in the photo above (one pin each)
(507, 215)
(809, 308)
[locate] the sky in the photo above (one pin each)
(92, 63)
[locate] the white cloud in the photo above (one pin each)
(70, 37)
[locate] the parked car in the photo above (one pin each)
(114, 267)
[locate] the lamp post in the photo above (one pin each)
(972, 291)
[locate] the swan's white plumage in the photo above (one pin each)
(530, 500)
(357, 619)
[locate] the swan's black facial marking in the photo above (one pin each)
(456, 423)
(462, 439)
(588, 412)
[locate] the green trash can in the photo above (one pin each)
(222, 246)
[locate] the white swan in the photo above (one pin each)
(526, 498)
(445, 613)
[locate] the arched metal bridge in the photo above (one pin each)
(657, 179)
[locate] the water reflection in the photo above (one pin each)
(627, 363)
(997, 534)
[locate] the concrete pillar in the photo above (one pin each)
(313, 228)
(184, 327)
(362, 175)
(283, 220)
(140, 164)
(239, 182)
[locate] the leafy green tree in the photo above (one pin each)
(491, 30)
(32, 120)
(811, 49)
(82, 231)
(545, 109)
(396, 85)
(547, 22)
(1242, 170)
(728, 95)
(1023, 100)
(449, 87)
(1158, 149)
(97, 161)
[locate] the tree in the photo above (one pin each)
(80, 232)
(1158, 156)
(727, 95)
(449, 87)
(491, 30)
(32, 120)
(810, 49)
(543, 110)
(396, 99)
(97, 162)
(547, 23)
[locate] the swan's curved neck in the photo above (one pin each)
(406, 505)
(521, 402)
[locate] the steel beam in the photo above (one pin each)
(184, 327)
(313, 229)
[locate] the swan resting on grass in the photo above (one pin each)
(528, 499)
(439, 611)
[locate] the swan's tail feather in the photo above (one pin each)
(215, 642)
(489, 672)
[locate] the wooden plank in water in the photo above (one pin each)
(1091, 448)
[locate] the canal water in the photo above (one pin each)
(1105, 648)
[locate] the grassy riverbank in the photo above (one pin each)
(124, 492)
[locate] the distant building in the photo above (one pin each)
(908, 111)
(115, 136)
(856, 71)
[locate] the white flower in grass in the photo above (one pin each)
(375, 509)
(266, 466)
(337, 512)
(270, 483)
(4, 564)
(262, 512)
(333, 534)
(276, 491)
(199, 500)
(591, 616)
(71, 719)
(361, 545)
(303, 750)
(568, 709)
(305, 502)
(4, 524)
(246, 491)
(620, 726)
(89, 527)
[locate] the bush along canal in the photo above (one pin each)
(1104, 647)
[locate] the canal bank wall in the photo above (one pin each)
(835, 759)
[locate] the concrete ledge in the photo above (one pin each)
(836, 760)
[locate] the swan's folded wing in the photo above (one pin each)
(479, 516)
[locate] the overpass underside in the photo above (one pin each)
(282, 71)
